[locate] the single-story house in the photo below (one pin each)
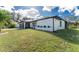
(48, 23)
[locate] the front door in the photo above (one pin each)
(27, 25)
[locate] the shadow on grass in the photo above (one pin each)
(69, 35)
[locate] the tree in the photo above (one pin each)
(72, 20)
(18, 16)
(4, 18)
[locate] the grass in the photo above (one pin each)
(34, 40)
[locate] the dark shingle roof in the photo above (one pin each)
(57, 17)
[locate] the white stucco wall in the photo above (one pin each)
(63, 25)
(57, 24)
(49, 22)
(46, 22)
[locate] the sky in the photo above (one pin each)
(52, 10)
(43, 11)
(41, 8)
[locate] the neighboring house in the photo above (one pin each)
(48, 23)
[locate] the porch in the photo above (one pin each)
(26, 25)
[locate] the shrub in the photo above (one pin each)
(12, 25)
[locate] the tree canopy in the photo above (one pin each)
(4, 17)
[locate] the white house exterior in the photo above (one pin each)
(48, 24)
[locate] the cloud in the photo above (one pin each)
(61, 8)
(32, 12)
(76, 12)
(64, 8)
(39, 17)
(48, 8)
(9, 8)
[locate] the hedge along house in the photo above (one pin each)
(48, 24)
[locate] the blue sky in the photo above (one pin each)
(40, 11)
(54, 11)
(35, 8)
(45, 13)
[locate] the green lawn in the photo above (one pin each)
(34, 40)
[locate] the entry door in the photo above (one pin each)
(27, 25)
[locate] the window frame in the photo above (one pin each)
(60, 23)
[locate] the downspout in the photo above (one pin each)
(53, 24)
(66, 24)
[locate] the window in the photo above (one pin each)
(48, 26)
(60, 23)
(44, 26)
(38, 26)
